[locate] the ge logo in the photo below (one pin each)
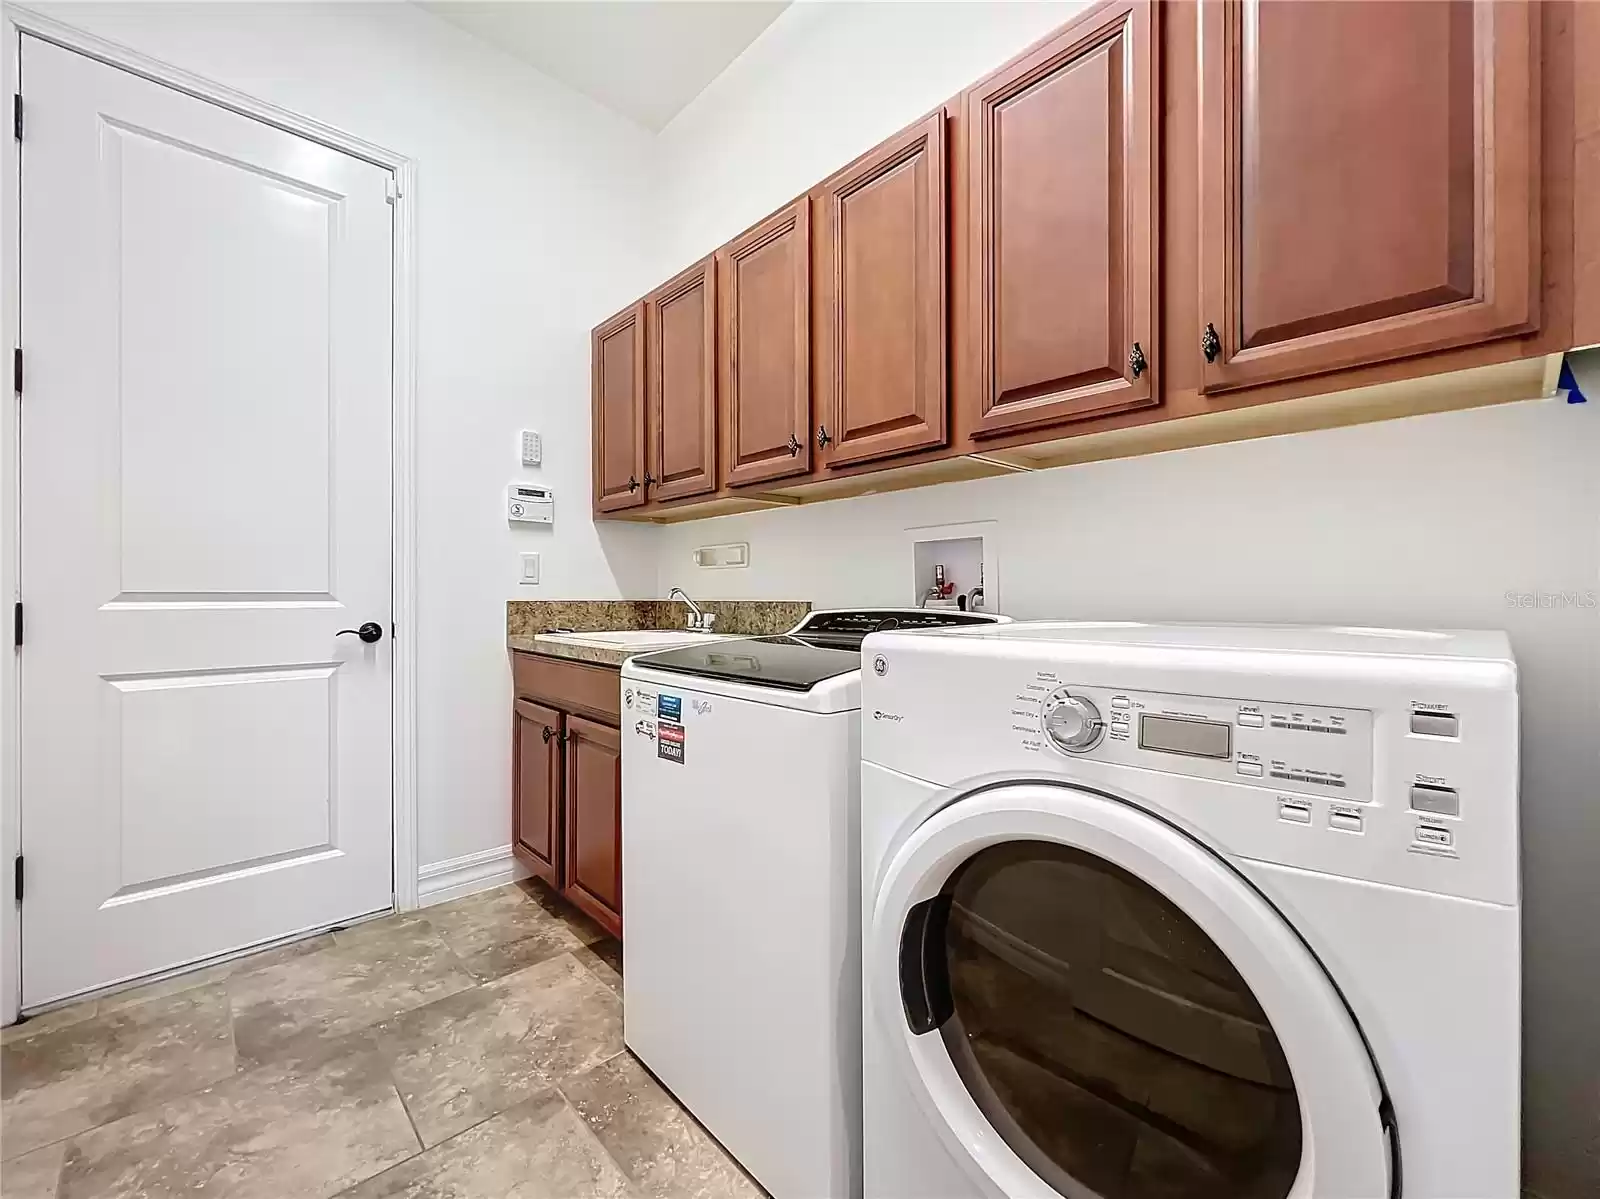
(880, 666)
(627, 697)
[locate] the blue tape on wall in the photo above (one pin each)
(1568, 382)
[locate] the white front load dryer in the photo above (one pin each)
(1167, 912)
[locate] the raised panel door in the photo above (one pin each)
(881, 382)
(1368, 183)
(619, 451)
(765, 348)
(1062, 271)
(681, 384)
(594, 821)
(536, 777)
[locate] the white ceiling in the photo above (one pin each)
(644, 58)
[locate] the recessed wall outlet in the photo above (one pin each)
(532, 448)
(530, 570)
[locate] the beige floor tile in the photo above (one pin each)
(212, 974)
(101, 1069)
(500, 931)
(539, 1149)
(659, 1145)
(582, 926)
(266, 1134)
(324, 996)
(51, 1021)
(604, 959)
(463, 1058)
(33, 1175)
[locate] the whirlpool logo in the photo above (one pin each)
(892, 717)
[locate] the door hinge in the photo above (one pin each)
(16, 116)
(17, 877)
(16, 625)
(16, 370)
(391, 189)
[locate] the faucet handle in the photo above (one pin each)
(707, 619)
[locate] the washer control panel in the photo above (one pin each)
(1286, 747)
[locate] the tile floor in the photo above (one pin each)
(468, 1051)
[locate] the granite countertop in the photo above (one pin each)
(737, 618)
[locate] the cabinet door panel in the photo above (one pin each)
(882, 381)
(682, 320)
(536, 776)
(765, 348)
(594, 821)
(618, 365)
(1063, 230)
(1368, 182)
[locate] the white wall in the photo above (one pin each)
(1427, 521)
(529, 206)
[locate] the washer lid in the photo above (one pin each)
(785, 663)
(1088, 1002)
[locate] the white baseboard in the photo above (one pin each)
(440, 882)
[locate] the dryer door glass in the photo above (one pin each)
(1105, 1036)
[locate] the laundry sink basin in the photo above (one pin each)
(632, 639)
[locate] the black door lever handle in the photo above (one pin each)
(369, 632)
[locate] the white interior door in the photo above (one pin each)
(206, 315)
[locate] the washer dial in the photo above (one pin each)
(1073, 722)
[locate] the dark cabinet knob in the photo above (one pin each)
(633, 484)
(1136, 360)
(794, 446)
(369, 632)
(649, 481)
(547, 734)
(822, 437)
(1210, 343)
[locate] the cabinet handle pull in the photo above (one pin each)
(648, 481)
(1136, 360)
(822, 437)
(633, 484)
(1210, 343)
(564, 736)
(547, 734)
(794, 446)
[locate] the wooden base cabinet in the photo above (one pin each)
(566, 778)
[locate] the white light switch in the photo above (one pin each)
(530, 569)
(532, 448)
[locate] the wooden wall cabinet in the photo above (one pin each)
(594, 820)
(681, 384)
(765, 349)
(880, 300)
(566, 772)
(536, 779)
(618, 353)
(1063, 217)
(1369, 183)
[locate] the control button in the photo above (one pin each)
(1250, 768)
(1073, 723)
(1295, 813)
(1440, 801)
(1436, 724)
(1350, 822)
(1121, 701)
(1119, 726)
(1430, 834)
(1252, 720)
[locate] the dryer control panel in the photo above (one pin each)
(1316, 750)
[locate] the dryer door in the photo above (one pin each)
(1087, 1001)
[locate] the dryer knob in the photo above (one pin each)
(1074, 723)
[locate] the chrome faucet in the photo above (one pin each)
(696, 620)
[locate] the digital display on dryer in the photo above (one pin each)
(1195, 738)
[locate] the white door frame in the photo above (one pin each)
(22, 20)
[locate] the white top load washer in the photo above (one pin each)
(740, 879)
(1190, 912)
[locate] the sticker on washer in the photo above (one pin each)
(669, 707)
(669, 741)
(645, 728)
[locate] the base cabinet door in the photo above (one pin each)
(594, 821)
(536, 779)
(1061, 271)
(1368, 179)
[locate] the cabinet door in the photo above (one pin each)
(594, 821)
(681, 383)
(881, 381)
(1368, 183)
(765, 348)
(619, 459)
(1062, 263)
(536, 783)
